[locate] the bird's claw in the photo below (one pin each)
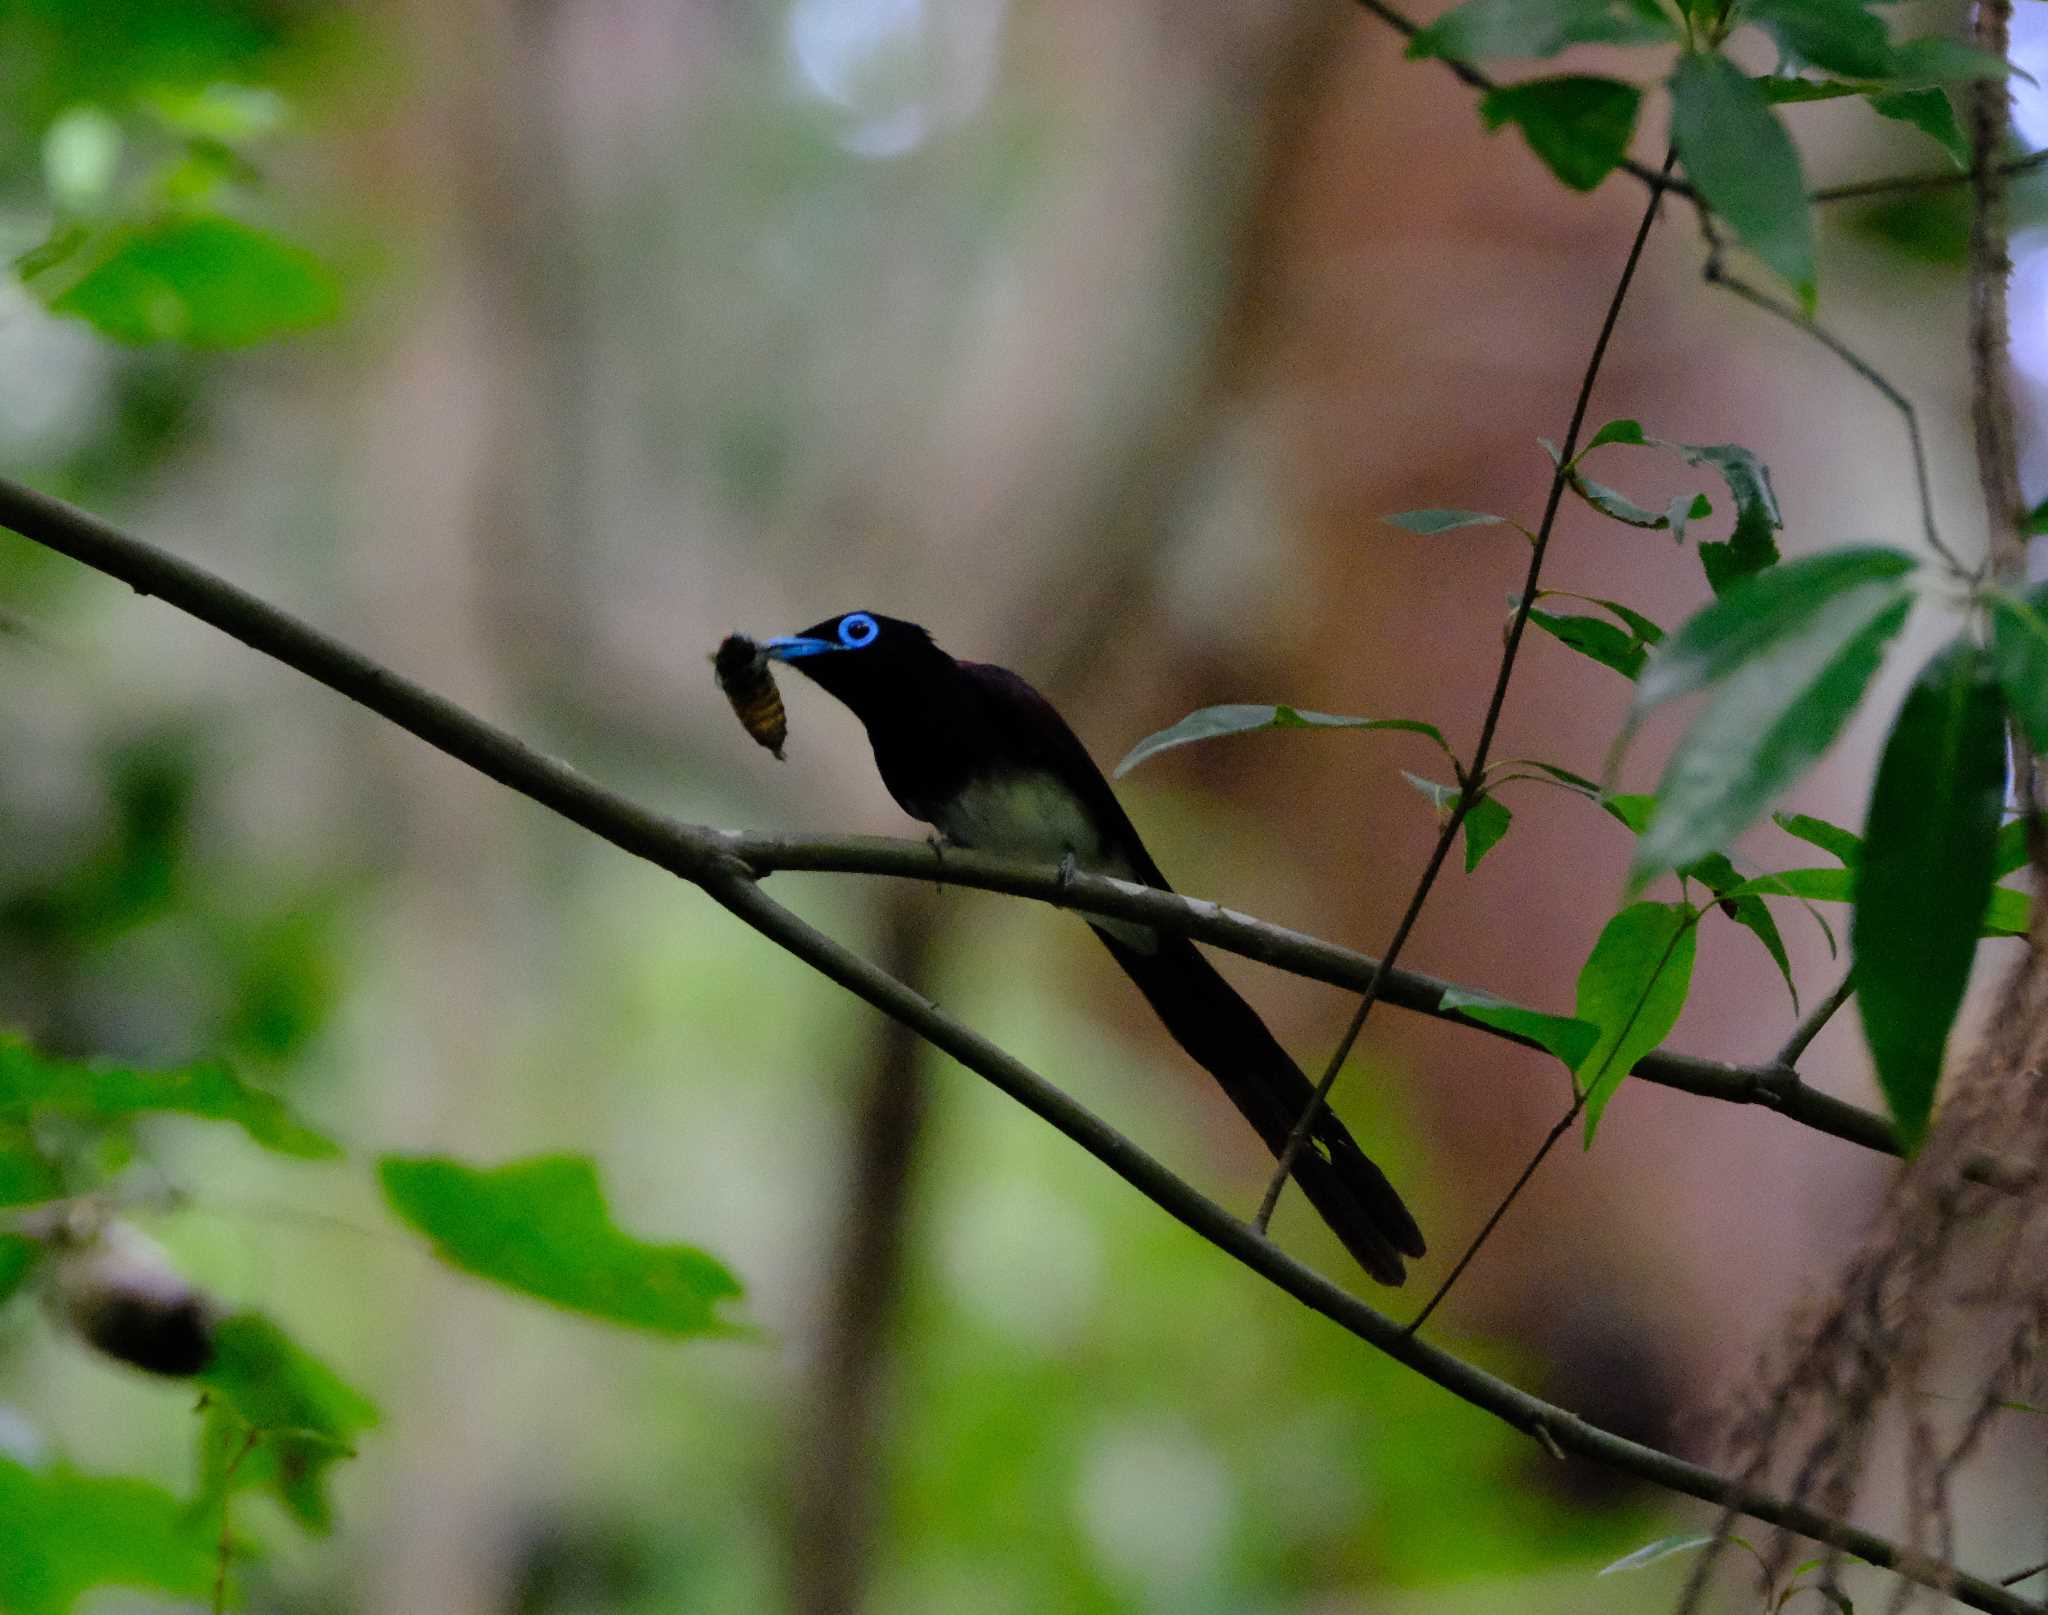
(1070, 866)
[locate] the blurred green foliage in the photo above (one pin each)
(277, 1417)
(102, 1093)
(144, 117)
(67, 1533)
(541, 1226)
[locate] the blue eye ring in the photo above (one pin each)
(857, 630)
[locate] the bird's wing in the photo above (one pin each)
(1035, 734)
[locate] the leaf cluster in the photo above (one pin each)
(1727, 126)
(1776, 666)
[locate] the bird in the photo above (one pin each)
(974, 751)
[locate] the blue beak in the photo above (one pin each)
(793, 647)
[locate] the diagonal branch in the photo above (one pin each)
(685, 849)
(710, 860)
(1770, 1084)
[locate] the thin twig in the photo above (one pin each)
(1470, 776)
(1581, 1092)
(1716, 273)
(226, 1551)
(1562, 1126)
(1948, 179)
(2022, 1575)
(706, 859)
(1816, 1019)
(1312, 958)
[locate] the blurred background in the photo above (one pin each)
(1099, 339)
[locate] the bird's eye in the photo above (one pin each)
(857, 630)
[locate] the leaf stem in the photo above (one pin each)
(1816, 1018)
(1581, 1092)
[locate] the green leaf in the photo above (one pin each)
(1484, 825)
(1208, 723)
(1746, 552)
(1624, 652)
(2008, 914)
(1483, 828)
(1578, 125)
(2035, 522)
(18, 1258)
(303, 1417)
(1743, 162)
(1568, 1039)
(1564, 777)
(2011, 913)
(1845, 845)
(67, 1533)
(1682, 510)
(1719, 876)
(1749, 549)
(1633, 986)
(1838, 36)
(1772, 607)
(1632, 808)
(1539, 28)
(30, 1082)
(1781, 91)
(1926, 875)
(1441, 521)
(1931, 112)
(1937, 59)
(1766, 724)
(232, 114)
(2019, 653)
(2013, 850)
(1642, 627)
(541, 1226)
(1663, 1548)
(1616, 431)
(1753, 914)
(208, 282)
(1612, 502)
(26, 1176)
(1601, 641)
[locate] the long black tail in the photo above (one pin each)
(1226, 1036)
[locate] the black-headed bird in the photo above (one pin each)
(982, 757)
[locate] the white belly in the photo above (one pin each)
(1034, 816)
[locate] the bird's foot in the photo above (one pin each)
(937, 842)
(1070, 866)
